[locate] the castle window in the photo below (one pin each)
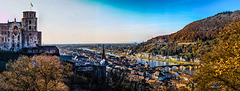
(35, 27)
(30, 27)
(30, 21)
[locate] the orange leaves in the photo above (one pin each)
(41, 72)
(222, 63)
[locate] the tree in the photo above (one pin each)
(222, 64)
(41, 72)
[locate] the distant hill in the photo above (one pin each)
(204, 29)
(184, 42)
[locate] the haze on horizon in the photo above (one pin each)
(112, 21)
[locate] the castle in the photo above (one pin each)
(15, 36)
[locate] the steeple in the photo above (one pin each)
(103, 53)
(15, 20)
(104, 60)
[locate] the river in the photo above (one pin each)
(152, 63)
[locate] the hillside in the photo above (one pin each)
(190, 41)
(204, 29)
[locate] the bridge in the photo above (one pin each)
(179, 66)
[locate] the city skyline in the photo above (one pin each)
(112, 21)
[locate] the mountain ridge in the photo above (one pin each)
(190, 41)
(202, 29)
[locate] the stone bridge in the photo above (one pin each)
(179, 66)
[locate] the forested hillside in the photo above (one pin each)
(193, 40)
(221, 65)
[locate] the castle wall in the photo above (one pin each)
(4, 32)
(31, 39)
(15, 36)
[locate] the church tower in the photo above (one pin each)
(104, 60)
(31, 36)
(103, 53)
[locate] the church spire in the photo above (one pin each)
(15, 20)
(103, 53)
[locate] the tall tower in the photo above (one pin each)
(103, 53)
(31, 36)
(29, 21)
(104, 60)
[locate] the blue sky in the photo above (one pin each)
(112, 21)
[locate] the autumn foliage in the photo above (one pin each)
(222, 64)
(41, 72)
(203, 31)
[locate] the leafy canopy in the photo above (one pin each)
(41, 72)
(222, 64)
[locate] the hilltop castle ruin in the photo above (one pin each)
(17, 35)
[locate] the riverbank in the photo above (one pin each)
(170, 61)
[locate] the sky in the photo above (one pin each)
(112, 21)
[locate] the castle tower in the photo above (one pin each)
(29, 21)
(31, 36)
